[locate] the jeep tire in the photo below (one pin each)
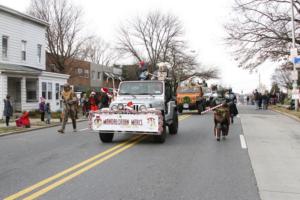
(173, 128)
(162, 137)
(106, 137)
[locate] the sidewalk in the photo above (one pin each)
(273, 142)
(36, 124)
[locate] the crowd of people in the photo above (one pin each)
(92, 101)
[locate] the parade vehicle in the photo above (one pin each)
(140, 107)
(190, 97)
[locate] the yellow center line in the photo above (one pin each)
(129, 143)
(60, 174)
(77, 173)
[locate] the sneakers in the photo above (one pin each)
(60, 131)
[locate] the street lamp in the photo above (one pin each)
(294, 46)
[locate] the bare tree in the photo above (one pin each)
(261, 30)
(150, 38)
(283, 78)
(98, 51)
(157, 37)
(63, 34)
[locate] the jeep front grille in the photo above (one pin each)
(136, 107)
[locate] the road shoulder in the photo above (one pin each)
(273, 142)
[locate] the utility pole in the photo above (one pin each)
(295, 86)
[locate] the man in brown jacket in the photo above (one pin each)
(69, 101)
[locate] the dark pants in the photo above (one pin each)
(42, 116)
(7, 120)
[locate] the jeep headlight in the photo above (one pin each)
(142, 108)
(120, 106)
(114, 108)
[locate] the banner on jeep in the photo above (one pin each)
(126, 122)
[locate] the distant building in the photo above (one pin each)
(22, 62)
(103, 76)
(85, 75)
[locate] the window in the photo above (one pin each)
(86, 73)
(56, 91)
(49, 91)
(44, 90)
(23, 52)
(39, 52)
(93, 75)
(4, 47)
(31, 90)
(79, 71)
(99, 75)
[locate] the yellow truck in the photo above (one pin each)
(190, 98)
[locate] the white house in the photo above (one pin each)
(22, 62)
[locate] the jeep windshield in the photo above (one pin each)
(188, 90)
(141, 88)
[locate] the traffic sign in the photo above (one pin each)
(296, 60)
(294, 52)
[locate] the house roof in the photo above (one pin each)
(17, 69)
(23, 16)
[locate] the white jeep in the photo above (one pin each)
(143, 107)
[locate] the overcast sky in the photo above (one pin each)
(203, 22)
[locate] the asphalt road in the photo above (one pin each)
(190, 165)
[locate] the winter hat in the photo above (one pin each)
(104, 90)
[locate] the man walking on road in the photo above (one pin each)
(69, 101)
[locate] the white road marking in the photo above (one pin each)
(84, 129)
(243, 142)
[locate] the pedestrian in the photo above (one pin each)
(93, 102)
(48, 113)
(42, 108)
(256, 99)
(248, 100)
(8, 110)
(265, 100)
(104, 98)
(24, 120)
(69, 101)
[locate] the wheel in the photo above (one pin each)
(180, 109)
(162, 137)
(106, 137)
(173, 128)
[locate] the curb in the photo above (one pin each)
(37, 128)
(286, 114)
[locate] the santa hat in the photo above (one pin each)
(104, 90)
(93, 93)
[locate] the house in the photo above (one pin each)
(86, 75)
(23, 72)
(79, 71)
(103, 76)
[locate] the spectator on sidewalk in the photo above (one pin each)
(8, 110)
(104, 98)
(42, 106)
(23, 121)
(265, 100)
(48, 113)
(93, 102)
(256, 99)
